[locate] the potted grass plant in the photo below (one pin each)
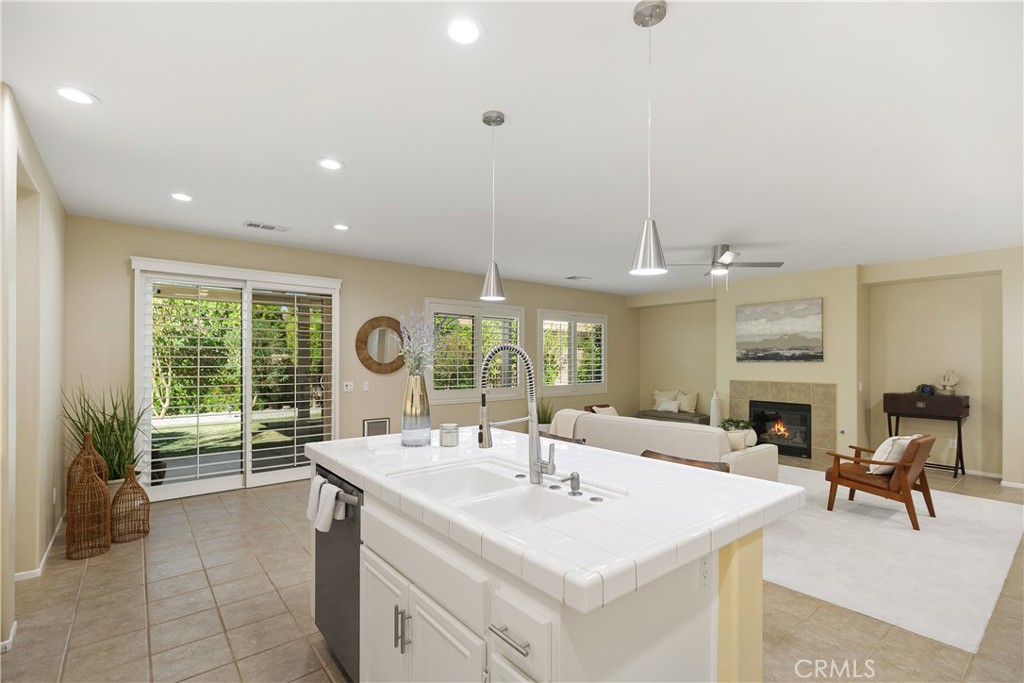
(113, 421)
(544, 415)
(737, 430)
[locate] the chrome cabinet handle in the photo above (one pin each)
(398, 631)
(403, 642)
(502, 633)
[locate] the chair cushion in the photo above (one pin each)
(859, 473)
(891, 450)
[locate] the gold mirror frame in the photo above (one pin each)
(363, 353)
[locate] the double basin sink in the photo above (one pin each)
(499, 494)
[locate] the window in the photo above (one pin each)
(573, 352)
(236, 370)
(463, 334)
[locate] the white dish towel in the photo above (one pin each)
(314, 496)
(326, 511)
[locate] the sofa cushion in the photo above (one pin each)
(605, 410)
(635, 435)
(668, 406)
(659, 396)
(688, 402)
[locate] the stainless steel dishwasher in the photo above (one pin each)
(337, 581)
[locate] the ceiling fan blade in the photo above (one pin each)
(757, 264)
(707, 273)
(728, 257)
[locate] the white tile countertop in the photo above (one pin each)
(658, 515)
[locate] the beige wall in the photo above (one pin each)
(98, 269)
(33, 355)
(678, 350)
(860, 360)
(920, 329)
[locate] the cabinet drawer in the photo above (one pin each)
(521, 633)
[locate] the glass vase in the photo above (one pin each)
(415, 412)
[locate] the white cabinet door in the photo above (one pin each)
(382, 591)
(503, 672)
(442, 649)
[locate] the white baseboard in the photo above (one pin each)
(990, 475)
(9, 643)
(1011, 484)
(38, 571)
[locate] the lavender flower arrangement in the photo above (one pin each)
(417, 340)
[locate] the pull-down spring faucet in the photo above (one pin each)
(537, 466)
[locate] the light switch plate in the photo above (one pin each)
(348, 386)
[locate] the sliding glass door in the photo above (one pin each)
(236, 377)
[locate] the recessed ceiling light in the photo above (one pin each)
(341, 226)
(465, 30)
(181, 197)
(330, 164)
(76, 95)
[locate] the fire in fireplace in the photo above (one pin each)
(787, 425)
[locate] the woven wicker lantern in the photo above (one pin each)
(88, 532)
(87, 459)
(129, 513)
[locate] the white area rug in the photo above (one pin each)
(942, 581)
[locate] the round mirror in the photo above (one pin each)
(379, 345)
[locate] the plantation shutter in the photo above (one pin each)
(556, 352)
(454, 351)
(192, 345)
(504, 369)
(589, 353)
(292, 395)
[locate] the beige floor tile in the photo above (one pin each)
(263, 635)
(131, 672)
(191, 659)
(118, 618)
(225, 542)
(179, 553)
(305, 621)
(233, 570)
(178, 606)
(285, 662)
(171, 634)
(59, 615)
(116, 598)
(32, 598)
(318, 676)
(297, 597)
(972, 485)
(252, 609)
(986, 670)
(319, 645)
(124, 556)
(103, 581)
(226, 528)
(821, 642)
(224, 674)
(164, 542)
(1008, 494)
(62, 575)
(916, 653)
(890, 668)
(166, 570)
(1002, 642)
(789, 600)
(37, 640)
(777, 624)
(242, 589)
(88, 662)
(215, 558)
(845, 620)
(35, 671)
(176, 585)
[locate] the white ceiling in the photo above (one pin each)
(818, 134)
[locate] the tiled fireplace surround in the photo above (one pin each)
(821, 397)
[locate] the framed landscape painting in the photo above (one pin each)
(779, 331)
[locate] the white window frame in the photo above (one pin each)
(478, 310)
(573, 318)
(247, 279)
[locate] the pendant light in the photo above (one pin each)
(492, 290)
(649, 258)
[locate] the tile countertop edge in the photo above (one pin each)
(576, 585)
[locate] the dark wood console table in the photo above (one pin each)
(930, 407)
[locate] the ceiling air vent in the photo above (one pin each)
(266, 226)
(578, 277)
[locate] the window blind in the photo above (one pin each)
(573, 347)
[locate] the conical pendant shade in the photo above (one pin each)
(492, 290)
(649, 258)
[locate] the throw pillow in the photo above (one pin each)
(891, 450)
(668, 406)
(688, 402)
(660, 396)
(610, 410)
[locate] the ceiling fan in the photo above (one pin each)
(722, 259)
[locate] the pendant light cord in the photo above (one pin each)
(492, 194)
(650, 86)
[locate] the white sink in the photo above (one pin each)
(509, 510)
(463, 480)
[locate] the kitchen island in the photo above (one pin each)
(469, 572)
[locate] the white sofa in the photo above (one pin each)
(695, 441)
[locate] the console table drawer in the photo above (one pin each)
(925, 405)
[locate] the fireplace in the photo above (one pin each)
(787, 425)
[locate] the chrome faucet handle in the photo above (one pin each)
(574, 483)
